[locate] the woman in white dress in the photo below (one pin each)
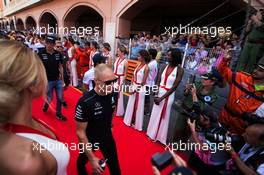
(120, 69)
(168, 80)
(94, 50)
(73, 63)
(106, 53)
(135, 106)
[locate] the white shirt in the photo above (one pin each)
(153, 71)
(88, 78)
(260, 111)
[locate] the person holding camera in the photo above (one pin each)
(245, 96)
(206, 161)
(198, 95)
(93, 116)
(250, 159)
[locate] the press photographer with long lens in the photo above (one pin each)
(207, 161)
(245, 96)
(94, 113)
(250, 159)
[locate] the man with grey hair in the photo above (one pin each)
(94, 114)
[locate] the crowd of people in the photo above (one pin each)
(35, 65)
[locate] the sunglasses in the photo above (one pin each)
(110, 81)
(58, 47)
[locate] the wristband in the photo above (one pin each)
(234, 156)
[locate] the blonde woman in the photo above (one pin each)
(25, 141)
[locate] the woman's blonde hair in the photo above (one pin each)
(20, 68)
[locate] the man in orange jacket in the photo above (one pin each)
(245, 96)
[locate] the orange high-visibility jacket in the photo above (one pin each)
(238, 102)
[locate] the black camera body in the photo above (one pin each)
(161, 160)
(194, 113)
(218, 135)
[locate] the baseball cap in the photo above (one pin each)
(216, 76)
(209, 76)
(50, 39)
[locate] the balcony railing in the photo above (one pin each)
(18, 5)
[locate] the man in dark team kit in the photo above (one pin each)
(94, 113)
(52, 61)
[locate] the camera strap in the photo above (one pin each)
(239, 86)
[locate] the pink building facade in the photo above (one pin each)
(112, 17)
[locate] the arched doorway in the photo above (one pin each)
(153, 16)
(30, 23)
(48, 23)
(84, 16)
(20, 24)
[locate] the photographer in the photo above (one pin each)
(250, 159)
(198, 96)
(202, 92)
(206, 161)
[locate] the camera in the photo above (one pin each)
(219, 138)
(161, 160)
(191, 79)
(194, 113)
(191, 115)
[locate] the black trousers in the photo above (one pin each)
(108, 148)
